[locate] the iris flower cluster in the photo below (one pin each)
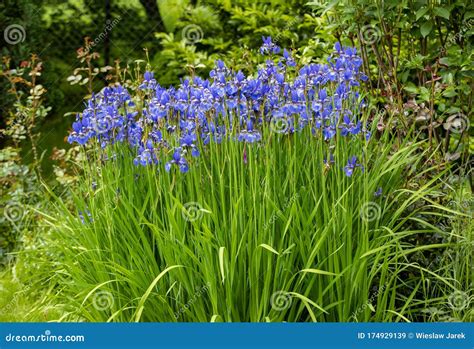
(172, 125)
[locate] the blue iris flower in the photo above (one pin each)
(178, 160)
(229, 106)
(378, 192)
(188, 141)
(352, 164)
(268, 46)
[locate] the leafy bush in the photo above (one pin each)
(418, 55)
(20, 170)
(231, 32)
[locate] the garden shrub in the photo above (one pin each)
(418, 55)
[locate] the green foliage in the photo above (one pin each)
(19, 13)
(19, 188)
(20, 178)
(21, 159)
(177, 60)
(416, 53)
(279, 228)
(214, 29)
(275, 238)
(20, 301)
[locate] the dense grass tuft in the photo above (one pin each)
(279, 236)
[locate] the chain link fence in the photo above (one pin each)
(117, 29)
(55, 30)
